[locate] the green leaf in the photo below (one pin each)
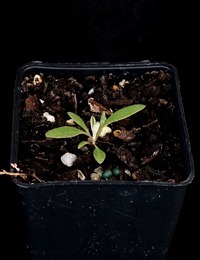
(64, 132)
(95, 129)
(79, 121)
(81, 144)
(124, 113)
(99, 155)
(92, 121)
(103, 118)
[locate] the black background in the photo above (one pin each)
(92, 31)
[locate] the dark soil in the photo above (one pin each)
(146, 148)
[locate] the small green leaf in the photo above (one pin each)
(95, 129)
(99, 155)
(124, 113)
(103, 118)
(92, 121)
(79, 121)
(64, 132)
(81, 144)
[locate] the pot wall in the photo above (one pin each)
(89, 221)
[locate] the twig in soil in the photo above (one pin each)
(22, 175)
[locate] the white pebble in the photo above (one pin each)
(49, 117)
(91, 91)
(68, 159)
(41, 101)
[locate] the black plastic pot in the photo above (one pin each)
(95, 219)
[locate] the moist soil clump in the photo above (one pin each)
(143, 147)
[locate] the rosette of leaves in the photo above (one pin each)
(96, 128)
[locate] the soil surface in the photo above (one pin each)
(143, 147)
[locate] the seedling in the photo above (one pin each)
(98, 129)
